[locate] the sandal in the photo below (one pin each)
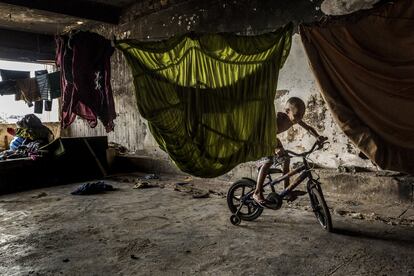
(261, 203)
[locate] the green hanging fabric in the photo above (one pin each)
(209, 98)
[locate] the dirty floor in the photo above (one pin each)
(163, 230)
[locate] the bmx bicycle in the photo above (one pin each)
(243, 206)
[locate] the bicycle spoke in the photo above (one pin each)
(249, 207)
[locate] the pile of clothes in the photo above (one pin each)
(38, 91)
(29, 136)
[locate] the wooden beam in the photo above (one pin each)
(25, 46)
(77, 8)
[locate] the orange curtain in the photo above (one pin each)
(364, 64)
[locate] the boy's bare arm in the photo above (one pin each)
(309, 129)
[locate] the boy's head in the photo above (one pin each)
(295, 109)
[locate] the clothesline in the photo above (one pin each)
(40, 90)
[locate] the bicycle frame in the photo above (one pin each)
(305, 173)
(274, 199)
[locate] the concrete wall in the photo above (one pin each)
(166, 18)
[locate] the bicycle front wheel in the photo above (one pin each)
(249, 211)
(320, 208)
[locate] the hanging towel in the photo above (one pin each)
(364, 64)
(209, 99)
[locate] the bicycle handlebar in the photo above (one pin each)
(317, 144)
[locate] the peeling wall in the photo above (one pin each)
(297, 78)
(167, 18)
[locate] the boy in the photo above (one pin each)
(295, 109)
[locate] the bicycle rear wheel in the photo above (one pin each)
(320, 208)
(249, 211)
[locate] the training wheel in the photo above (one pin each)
(235, 220)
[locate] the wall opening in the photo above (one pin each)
(10, 109)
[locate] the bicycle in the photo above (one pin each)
(240, 193)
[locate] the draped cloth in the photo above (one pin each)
(84, 61)
(209, 98)
(364, 64)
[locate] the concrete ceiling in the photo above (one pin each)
(27, 27)
(52, 17)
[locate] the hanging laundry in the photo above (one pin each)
(29, 91)
(8, 87)
(209, 99)
(38, 107)
(49, 88)
(48, 105)
(49, 84)
(14, 75)
(365, 67)
(8, 84)
(84, 59)
(54, 83)
(43, 84)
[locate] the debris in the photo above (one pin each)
(134, 257)
(341, 212)
(65, 260)
(141, 184)
(200, 193)
(357, 216)
(93, 188)
(40, 195)
(220, 194)
(119, 148)
(151, 176)
(188, 188)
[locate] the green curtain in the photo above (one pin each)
(209, 98)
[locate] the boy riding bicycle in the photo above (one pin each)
(294, 111)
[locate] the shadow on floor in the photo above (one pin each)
(400, 237)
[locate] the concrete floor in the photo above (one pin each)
(166, 232)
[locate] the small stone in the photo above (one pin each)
(134, 257)
(65, 260)
(340, 212)
(40, 195)
(357, 216)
